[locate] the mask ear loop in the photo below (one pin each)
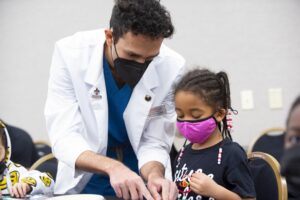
(181, 153)
(115, 48)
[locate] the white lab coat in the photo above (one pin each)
(77, 121)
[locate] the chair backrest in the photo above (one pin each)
(270, 141)
(23, 148)
(47, 163)
(43, 148)
(269, 184)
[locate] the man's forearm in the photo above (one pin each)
(152, 169)
(92, 162)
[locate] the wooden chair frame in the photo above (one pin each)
(42, 142)
(281, 182)
(41, 161)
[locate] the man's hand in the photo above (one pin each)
(162, 188)
(127, 184)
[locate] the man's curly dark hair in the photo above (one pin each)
(146, 17)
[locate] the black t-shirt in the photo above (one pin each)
(232, 173)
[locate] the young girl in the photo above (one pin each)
(15, 180)
(211, 166)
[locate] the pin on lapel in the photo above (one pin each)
(96, 94)
(148, 98)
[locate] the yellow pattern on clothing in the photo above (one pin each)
(29, 180)
(46, 180)
(3, 184)
(14, 177)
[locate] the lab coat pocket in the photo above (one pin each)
(163, 110)
(157, 111)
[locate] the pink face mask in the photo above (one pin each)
(197, 131)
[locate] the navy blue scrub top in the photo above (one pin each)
(117, 134)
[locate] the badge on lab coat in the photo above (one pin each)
(96, 94)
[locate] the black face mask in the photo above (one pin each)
(130, 71)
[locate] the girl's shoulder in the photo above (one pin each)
(234, 150)
(229, 144)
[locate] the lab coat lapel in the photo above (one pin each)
(139, 105)
(95, 83)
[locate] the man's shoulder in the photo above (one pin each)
(169, 62)
(82, 39)
(169, 54)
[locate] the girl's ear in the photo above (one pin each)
(220, 114)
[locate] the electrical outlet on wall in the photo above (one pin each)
(275, 98)
(247, 99)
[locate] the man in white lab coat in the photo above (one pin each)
(109, 111)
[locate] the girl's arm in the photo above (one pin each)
(20, 190)
(202, 184)
(29, 182)
(41, 183)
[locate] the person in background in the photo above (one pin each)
(290, 162)
(16, 180)
(292, 135)
(212, 166)
(109, 110)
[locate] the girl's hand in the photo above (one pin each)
(201, 184)
(19, 190)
